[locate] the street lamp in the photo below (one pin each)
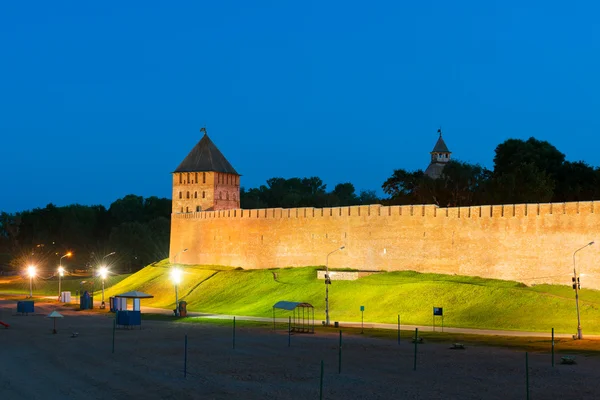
(175, 258)
(327, 283)
(576, 287)
(61, 271)
(176, 278)
(93, 273)
(31, 273)
(102, 272)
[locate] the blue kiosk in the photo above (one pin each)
(128, 318)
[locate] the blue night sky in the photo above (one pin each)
(98, 101)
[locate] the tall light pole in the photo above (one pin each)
(327, 283)
(576, 287)
(93, 272)
(176, 278)
(102, 272)
(175, 257)
(31, 273)
(61, 271)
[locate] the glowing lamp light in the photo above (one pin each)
(61, 271)
(103, 272)
(31, 271)
(176, 275)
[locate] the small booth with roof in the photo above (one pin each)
(303, 316)
(128, 318)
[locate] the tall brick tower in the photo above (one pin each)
(205, 180)
(440, 155)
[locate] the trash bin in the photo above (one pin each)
(86, 302)
(183, 309)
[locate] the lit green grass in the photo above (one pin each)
(469, 302)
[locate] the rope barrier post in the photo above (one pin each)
(321, 386)
(340, 355)
(114, 328)
(527, 373)
(185, 358)
(416, 341)
(552, 347)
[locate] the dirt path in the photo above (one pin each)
(148, 363)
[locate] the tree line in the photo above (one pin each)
(137, 229)
(524, 171)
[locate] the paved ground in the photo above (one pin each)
(149, 364)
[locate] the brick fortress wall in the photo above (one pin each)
(531, 243)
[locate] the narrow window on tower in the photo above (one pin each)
(180, 195)
(204, 177)
(203, 195)
(188, 195)
(180, 178)
(187, 209)
(195, 195)
(182, 210)
(227, 195)
(197, 208)
(188, 177)
(220, 196)
(196, 181)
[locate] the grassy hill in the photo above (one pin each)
(468, 302)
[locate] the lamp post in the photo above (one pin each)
(31, 273)
(61, 271)
(576, 287)
(102, 272)
(176, 278)
(327, 283)
(175, 257)
(93, 272)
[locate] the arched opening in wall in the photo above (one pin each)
(188, 195)
(197, 208)
(195, 195)
(203, 194)
(204, 177)
(180, 195)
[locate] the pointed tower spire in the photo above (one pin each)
(440, 155)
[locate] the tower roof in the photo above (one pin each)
(206, 157)
(440, 146)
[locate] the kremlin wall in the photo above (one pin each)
(529, 243)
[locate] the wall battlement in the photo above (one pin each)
(530, 243)
(421, 210)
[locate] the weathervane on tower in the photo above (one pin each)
(203, 129)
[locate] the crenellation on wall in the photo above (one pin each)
(571, 208)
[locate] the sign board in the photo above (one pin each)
(438, 311)
(362, 308)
